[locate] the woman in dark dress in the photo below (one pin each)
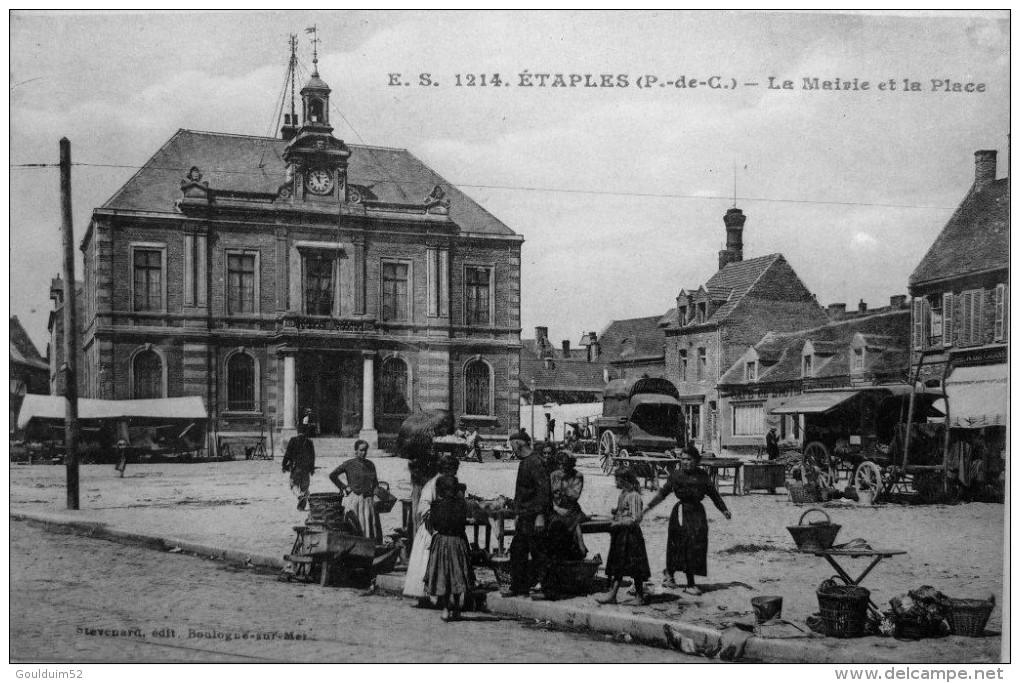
(687, 540)
(449, 572)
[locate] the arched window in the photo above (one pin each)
(241, 382)
(477, 388)
(394, 386)
(315, 111)
(147, 370)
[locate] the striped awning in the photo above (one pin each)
(814, 402)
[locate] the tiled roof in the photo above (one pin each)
(253, 164)
(732, 283)
(976, 237)
(529, 349)
(563, 375)
(780, 353)
(23, 351)
(631, 339)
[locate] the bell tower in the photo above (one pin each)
(315, 98)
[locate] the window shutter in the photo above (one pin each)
(1005, 313)
(947, 319)
(977, 312)
(918, 323)
(1000, 301)
(965, 327)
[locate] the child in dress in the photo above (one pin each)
(627, 554)
(449, 570)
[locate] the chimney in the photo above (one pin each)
(984, 167)
(594, 347)
(862, 307)
(289, 128)
(541, 335)
(734, 251)
(566, 348)
(898, 301)
(836, 311)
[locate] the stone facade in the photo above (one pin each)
(208, 285)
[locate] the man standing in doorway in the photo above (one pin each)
(299, 460)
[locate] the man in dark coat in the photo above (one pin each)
(533, 501)
(772, 444)
(299, 460)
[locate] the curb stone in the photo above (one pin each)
(647, 629)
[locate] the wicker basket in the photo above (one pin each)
(844, 610)
(501, 568)
(801, 493)
(577, 577)
(814, 535)
(969, 617)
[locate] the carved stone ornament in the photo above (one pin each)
(353, 196)
(194, 175)
(436, 201)
(320, 144)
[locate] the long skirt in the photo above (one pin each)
(361, 509)
(418, 564)
(449, 566)
(627, 554)
(687, 540)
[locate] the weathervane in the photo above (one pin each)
(315, 48)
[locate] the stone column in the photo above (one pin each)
(289, 391)
(368, 432)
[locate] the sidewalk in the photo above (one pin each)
(566, 613)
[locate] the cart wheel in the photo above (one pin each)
(818, 458)
(325, 571)
(607, 449)
(868, 475)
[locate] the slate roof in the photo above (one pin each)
(632, 339)
(23, 351)
(564, 375)
(253, 164)
(976, 238)
(730, 285)
(780, 354)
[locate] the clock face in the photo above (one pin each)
(319, 181)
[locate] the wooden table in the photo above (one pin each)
(713, 465)
(592, 526)
(876, 556)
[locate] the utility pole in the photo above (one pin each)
(70, 329)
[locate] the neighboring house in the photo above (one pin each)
(280, 275)
(55, 348)
(29, 371)
(631, 348)
(960, 319)
(861, 349)
(715, 323)
(559, 375)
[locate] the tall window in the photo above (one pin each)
(683, 365)
(394, 386)
(749, 419)
(148, 375)
(477, 293)
(148, 268)
(318, 285)
(394, 291)
(477, 389)
(935, 320)
(751, 371)
(702, 364)
(858, 362)
(806, 368)
(240, 283)
(702, 312)
(241, 382)
(681, 315)
(692, 421)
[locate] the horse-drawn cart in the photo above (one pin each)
(638, 415)
(879, 438)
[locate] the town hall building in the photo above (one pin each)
(298, 276)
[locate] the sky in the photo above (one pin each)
(619, 193)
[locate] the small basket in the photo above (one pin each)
(384, 500)
(844, 610)
(501, 568)
(815, 535)
(801, 493)
(969, 617)
(577, 577)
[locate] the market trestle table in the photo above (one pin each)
(876, 556)
(663, 466)
(592, 526)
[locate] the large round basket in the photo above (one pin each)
(325, 509)
(577, 577)
(814, 535)
(969, 617)
(844, 610)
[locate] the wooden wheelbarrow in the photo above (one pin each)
(325, 555)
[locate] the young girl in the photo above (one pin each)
(449, 572)
(418, 563)
(627, 555)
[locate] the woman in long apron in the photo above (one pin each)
(687, 539)
(418, 562)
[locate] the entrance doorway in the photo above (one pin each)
(329, 384)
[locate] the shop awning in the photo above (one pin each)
(978, 396)
(814, 402)
(43, 407)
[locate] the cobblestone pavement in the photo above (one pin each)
(76, 599)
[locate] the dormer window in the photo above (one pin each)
(858, 359)
(702, 312)
(751, 371)
(682, 315)
(806, 368)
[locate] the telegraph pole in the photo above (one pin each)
(70, 329)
